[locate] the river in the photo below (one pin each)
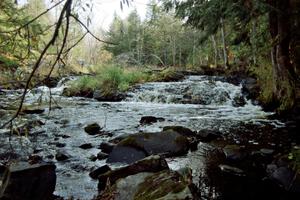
(197, 102)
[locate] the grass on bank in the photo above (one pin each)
(109, 79)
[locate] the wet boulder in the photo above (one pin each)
(100, 170)
(101, 155)
(168, 143)
(238, 101)
(161, 185)
(181, 130)
(234, 153)
(150, 120)
(106, 147)
(23, 181)
(92, 129)
(126, 154)
(62, 156)
(231, 170)
(111, 96)
(285, 177)
(86, 146)
(33, 110)
(208, 135)
(149, 164)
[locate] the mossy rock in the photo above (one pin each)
(164, 185)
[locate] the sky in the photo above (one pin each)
(103, 11)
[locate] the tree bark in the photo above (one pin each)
(225, 54)
(283, 73)
(214, 43)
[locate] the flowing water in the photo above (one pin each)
(198, 102)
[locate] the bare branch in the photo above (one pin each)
(87, 29)
(34, 19)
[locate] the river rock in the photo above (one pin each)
(234, 153)
(238, 101)
(32, 110)
(168, 143)
(206, 135)
(126, 154)
(101, 155)
(165, 184)
(61, 156)
(181, 130)
(100, 170)
(150, 120)
(92, 129)
(112, 96)
(28, 182)
(283, 176)
(149, 164)
(106, 147)
(86, 146)
(231, 170)
(266, 151)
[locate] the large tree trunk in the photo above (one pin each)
(283, 73)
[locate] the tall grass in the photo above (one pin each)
(110, 79)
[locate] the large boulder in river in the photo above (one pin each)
(136, 146)
(165, 184)
(23, 181)
(149, 164)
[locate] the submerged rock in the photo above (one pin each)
(23, 181)
(168, 143)
(92, 129)
(150, 120)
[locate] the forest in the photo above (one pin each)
(195, 99)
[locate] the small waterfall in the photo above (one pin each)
(200, 90)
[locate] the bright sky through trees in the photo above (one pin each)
(104, 10)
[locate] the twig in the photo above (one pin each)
(35, 18)
(88, 30)
(37, 64)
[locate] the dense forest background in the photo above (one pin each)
(256, 38)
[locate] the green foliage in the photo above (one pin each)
(110, 79)
(264, 72)
(6, 62)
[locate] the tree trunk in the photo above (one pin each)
(214, 44)
(253, 41)
(283, 73)
(225, 55)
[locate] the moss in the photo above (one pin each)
(131, 142)
(294, 157)
(159, 185)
